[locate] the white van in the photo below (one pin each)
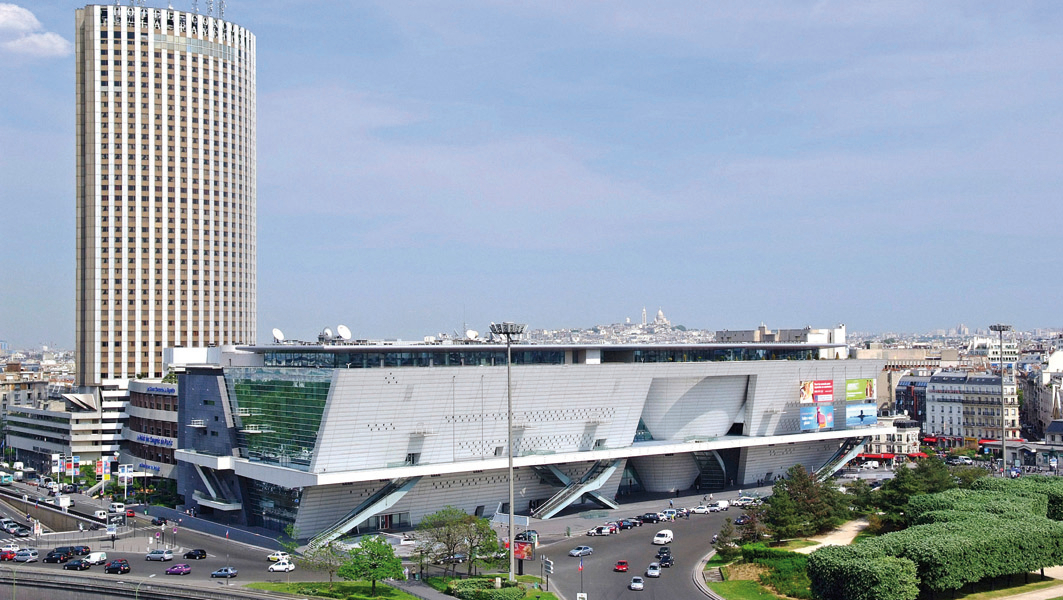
(100, 514)
(871, 464)
(96, 558)
(663, 537)
(719, 505)
(116, 507)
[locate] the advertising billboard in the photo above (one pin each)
(861, 414)
(820, 390)
(817, 416)
(524, 551)
(860, 389)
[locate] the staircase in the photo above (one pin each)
(377, 502)
(714, 574)
(587, 484)
(712, 472)
(845, 453)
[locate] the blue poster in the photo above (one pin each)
(819, 416)
(857, 415)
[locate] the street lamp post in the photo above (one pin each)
(136, 592)
(1003, 407)
(509, 330)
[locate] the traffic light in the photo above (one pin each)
(548, 565)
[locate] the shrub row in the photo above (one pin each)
(1043, 484)
(861, 572)
(977, 502)
(484, 589)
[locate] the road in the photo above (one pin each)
(600, 582)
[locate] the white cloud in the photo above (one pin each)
(21, 33)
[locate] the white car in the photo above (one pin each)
(160, 555)
(663, 537)
(278, 556)
(700, 510)
(13, 547)
(654, 570)
(283, 566)
(581, 551)
(636, 583)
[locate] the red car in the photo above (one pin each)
(7, 555)
(129, 512)
(621, 566)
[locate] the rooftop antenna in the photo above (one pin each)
(278, 335)
(343, 332)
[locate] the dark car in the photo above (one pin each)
(527, 536)
(70, 551)
(742, 520)
(667, 560)
(22, 532)
(159, 521)
(82, 550)
(56, 557)
(651, 518)
(664, 551)
(225, 572)
(636, 520)
(196, 554)
(77, 565)
(624, 524)
(118, 565)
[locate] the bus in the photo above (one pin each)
(5, 478)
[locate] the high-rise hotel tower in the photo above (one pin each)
(165, 187)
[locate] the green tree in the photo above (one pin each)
(933, 476)
(818, 504)
(860, 496)
(725, 541)
(327, 557)
(290, 543)
(444, 534)
(754, 529)
(481, 541)
(372, 560)
(968, 475)
(784, 517)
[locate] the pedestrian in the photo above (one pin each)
(405, 573)
(670, 505)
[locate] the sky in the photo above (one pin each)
(426, 167)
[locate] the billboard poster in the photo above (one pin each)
(820, 390)
(861, 414)
(524, 550)
(817, 416)
(860, 389)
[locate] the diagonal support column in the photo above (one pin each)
(592, 480)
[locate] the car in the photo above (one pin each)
(22, 532)
(196, 554)
(719, 505)
(637, 521)
(8, 554)
(581, 551)
(528, 535)
(159, 521)
(117, 566)
(742, 520)
(179, 569)
(620, 566)
(129, 512)
(12, 546)
(654, 570)
(651, 518)
(283, 566)
(225, 572)
(624, 524)
(664, 551)
(700, 510)
(11, 527)
(26, 555)
(670, 514)
(77, 565)
(278, 556)
(160, 554)
(96, 558)
(667, 561)
(453, 559)
(82, 550)
(663, 537)
(637, 583)
(599, 530)
(56, 557)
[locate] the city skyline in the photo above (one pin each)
(425, 167)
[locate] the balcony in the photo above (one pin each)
(254, 428)
(199, 423)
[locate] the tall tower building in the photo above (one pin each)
(166, 250)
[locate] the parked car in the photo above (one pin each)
(225, 572)
(581, 551)
(528, 535)
(56, 557)
(719, 505)
(620, 566)
(77, 565)
(624, 524)
(12, 546)
(278, 556)
(96, 558)
(159, 554)
(159, 521)
(636, 520)
(700, 510)
(8, 554)
(179, 569)
(81, 550)
(742, 520)
(117, 566)
(26, 555)
(651, 518)
(599, 530)
(637, 583)
(196, 554)
(654, 570)
(283, 566)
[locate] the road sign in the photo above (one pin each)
(1052, 463)
(112, 529)
(548, 565)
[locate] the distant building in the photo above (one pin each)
(1042, 392)
(965, 408)
(804, 336)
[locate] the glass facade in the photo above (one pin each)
(420, 358)
(659, 355)
(278, 412)
(272, 506)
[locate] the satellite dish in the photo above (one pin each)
(278, 335)
(343, 332)
(472, 334)
(327, 332)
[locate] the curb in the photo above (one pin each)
(697, 575)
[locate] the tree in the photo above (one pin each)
(753, 529)
(328, 557)
(860, 495)
(818, 505)
(372, 560)
(933, 476)
(929, 476)
(290, 542)
(725, 543)
(784, 518)
(444, 532)
(968, 475)
(480, 539)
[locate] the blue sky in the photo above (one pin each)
(890, 165)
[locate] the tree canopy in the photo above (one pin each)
(372, 560)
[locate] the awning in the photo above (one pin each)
(918, 455)
(883, 456)
(930, 439)
(988, 441)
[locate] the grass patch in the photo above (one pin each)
(716, 561)
(530, 582)
(742, 590)
(982, 591)
(795, 544)
(343, 590)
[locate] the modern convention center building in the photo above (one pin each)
(343, 436)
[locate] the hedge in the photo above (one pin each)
(757, 552)
(861, 572)
(978, 502)
(1049, 486)
(484, 589)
